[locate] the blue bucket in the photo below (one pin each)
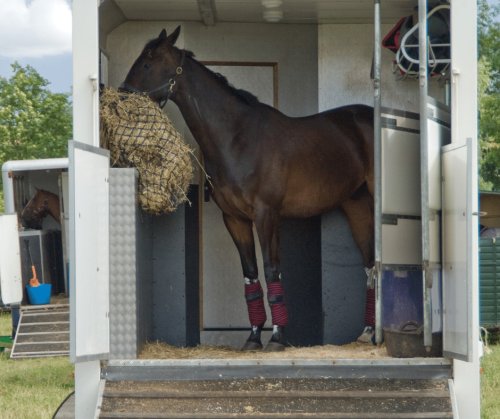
(39, 295)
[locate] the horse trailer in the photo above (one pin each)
(135, 278)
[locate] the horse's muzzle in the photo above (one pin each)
(126, 88)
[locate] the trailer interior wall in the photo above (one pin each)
(339, 284)
(332, 59)
(344, 62)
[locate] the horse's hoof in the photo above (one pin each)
(274, 346)
(277, 342)
(251, 345)
(253, 342)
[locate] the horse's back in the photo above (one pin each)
(325, 158)
(351, 115)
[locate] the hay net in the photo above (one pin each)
(138, 134)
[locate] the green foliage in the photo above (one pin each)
(34, 122)
(489, 39)
(489, 94)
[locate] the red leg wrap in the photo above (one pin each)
(370, 308)
(255, 304)
(275, 296)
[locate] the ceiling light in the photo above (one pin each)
(269, 4)
(273, 15)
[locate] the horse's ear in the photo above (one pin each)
(163, 35)
(172, 38)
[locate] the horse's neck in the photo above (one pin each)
(53, 207)
(210, 110)
(55, 211)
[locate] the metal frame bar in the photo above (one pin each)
(424, 177)
(206, 369)
(377, 132)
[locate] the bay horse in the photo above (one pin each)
(264, 165)
(42, 203)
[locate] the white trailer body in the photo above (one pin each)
(459, 264)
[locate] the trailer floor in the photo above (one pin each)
(159, 350)
(294, 388)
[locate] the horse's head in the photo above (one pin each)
(34, 211)
(156, 69)
(38, 207)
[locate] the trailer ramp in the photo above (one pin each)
(276, 389)
(42, 331)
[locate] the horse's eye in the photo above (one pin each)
(147, 66)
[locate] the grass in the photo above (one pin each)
(32, 388)
(490, 384)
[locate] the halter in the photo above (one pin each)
(40, 211)
(169, 84)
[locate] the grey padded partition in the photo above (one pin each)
(169, 271)
(176, 274)
(344, 281)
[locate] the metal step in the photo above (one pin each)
(297, 390)
(42, 331)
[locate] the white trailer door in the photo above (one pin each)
(89, 252)
(11, 287)
(458, 231)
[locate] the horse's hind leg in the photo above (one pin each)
(359, 212)
(242, 235)
(267, 224)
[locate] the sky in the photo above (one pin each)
(38, 33)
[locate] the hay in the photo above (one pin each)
(138, 134)
(158, 350)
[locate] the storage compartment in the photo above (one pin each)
(45, 249)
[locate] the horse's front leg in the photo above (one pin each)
(242, 235)
(267, 224)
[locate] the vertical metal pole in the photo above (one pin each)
(447, 92)
(377, 132)
(424, 170)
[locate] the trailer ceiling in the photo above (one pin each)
(293, 11)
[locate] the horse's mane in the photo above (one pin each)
(245, 95)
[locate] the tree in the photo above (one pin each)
(489, 94)
(34, 122)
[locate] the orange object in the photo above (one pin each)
(34, 282)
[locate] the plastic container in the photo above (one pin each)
(39, 295)
(408, 342)
(5, 342)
